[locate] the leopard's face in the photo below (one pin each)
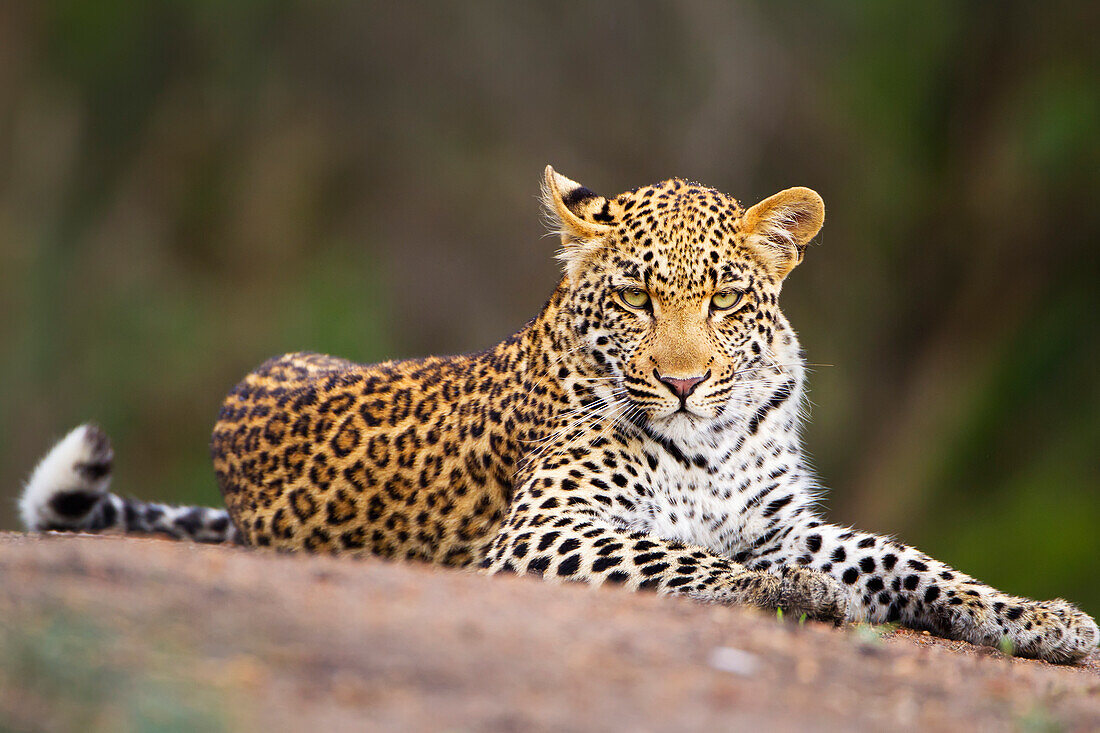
(676, 302)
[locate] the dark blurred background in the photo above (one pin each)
(188, 187)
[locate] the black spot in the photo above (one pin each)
(93, 471)
(778, 504)
(108, 514)
(130, 513)
(867, 564)
(932, 593)
(654, 569)
(618, 577)
(875, 584)
(538, 564)
(604, 215)
(570, 564)
(74, 503)
(839, 555)
(190, 521)
(577, 195)
(569, 545)
(813, 542)
(1014, 613)
(850, 575)
(918, 565)
(778, 397)
(889, 561)
(354, 538)
(665, 443)
(911, 582)
(603, 563)
(866, 542)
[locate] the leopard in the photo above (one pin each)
(643, 431)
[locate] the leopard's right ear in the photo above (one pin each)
(575, 212)
(580, 217)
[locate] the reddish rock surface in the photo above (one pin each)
(120, 633)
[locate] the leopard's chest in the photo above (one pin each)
(716, 497)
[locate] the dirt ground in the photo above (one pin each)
(103, 633)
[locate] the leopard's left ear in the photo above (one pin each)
(782, 225)
(580, 217)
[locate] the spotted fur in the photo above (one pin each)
(643, 430)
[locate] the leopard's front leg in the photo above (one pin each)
(556, 529)
(893, 582)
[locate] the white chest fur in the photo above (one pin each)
(722, 497)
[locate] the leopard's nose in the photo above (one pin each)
(681, 387)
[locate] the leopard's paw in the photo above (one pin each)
(1055, 631)
(815, 594)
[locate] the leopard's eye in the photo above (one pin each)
(634, 297)
(725, 300)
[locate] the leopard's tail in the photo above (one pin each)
(67, 492)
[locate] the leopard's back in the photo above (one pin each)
(403, 459)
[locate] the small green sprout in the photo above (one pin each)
(869, 634)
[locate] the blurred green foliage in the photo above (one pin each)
(64, 672)
(187, 188)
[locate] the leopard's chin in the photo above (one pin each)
(682, 426)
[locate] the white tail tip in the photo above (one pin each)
(68, 482)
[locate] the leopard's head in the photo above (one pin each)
(673, 293)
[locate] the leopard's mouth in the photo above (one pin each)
(682, 420)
